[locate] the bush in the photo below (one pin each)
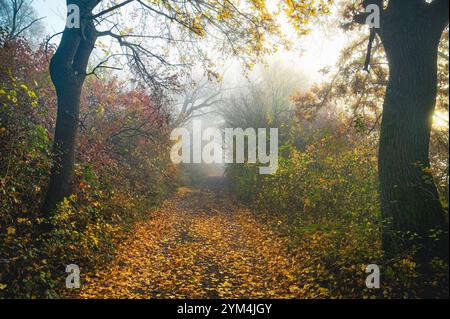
(325, 198)
(122, 171)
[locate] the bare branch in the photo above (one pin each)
(112, 8)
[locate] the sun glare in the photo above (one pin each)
(440, 120)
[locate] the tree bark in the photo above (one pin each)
(68, 72)
(409, 199)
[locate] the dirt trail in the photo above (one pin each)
(199, 244)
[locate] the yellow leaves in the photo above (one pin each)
(13, 94)
(10, 231)
(223, 14)
(408, 263)
(196, 25)
(2, 286)
(307, 202)
(294, 289)
(194, 247)
(299, 12)
(24, 221)
(323, 291)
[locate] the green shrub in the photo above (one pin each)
(325, 198)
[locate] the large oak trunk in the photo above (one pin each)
(68, 91)
(68, 72)
(409, 198)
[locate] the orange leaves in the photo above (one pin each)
(194, 247)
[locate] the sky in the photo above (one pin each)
(316, 50)
(54, 12)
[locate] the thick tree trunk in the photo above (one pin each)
(68, 90)
(409, 198)
(68, 72)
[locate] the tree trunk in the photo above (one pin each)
(68, 90)
(68, 72)
(409, 198)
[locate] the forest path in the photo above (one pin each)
(199, 244)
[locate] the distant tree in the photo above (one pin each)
(264, 101)
(19, 18)
(198, 99)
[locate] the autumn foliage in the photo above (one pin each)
(137, 229)
(122, 170)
